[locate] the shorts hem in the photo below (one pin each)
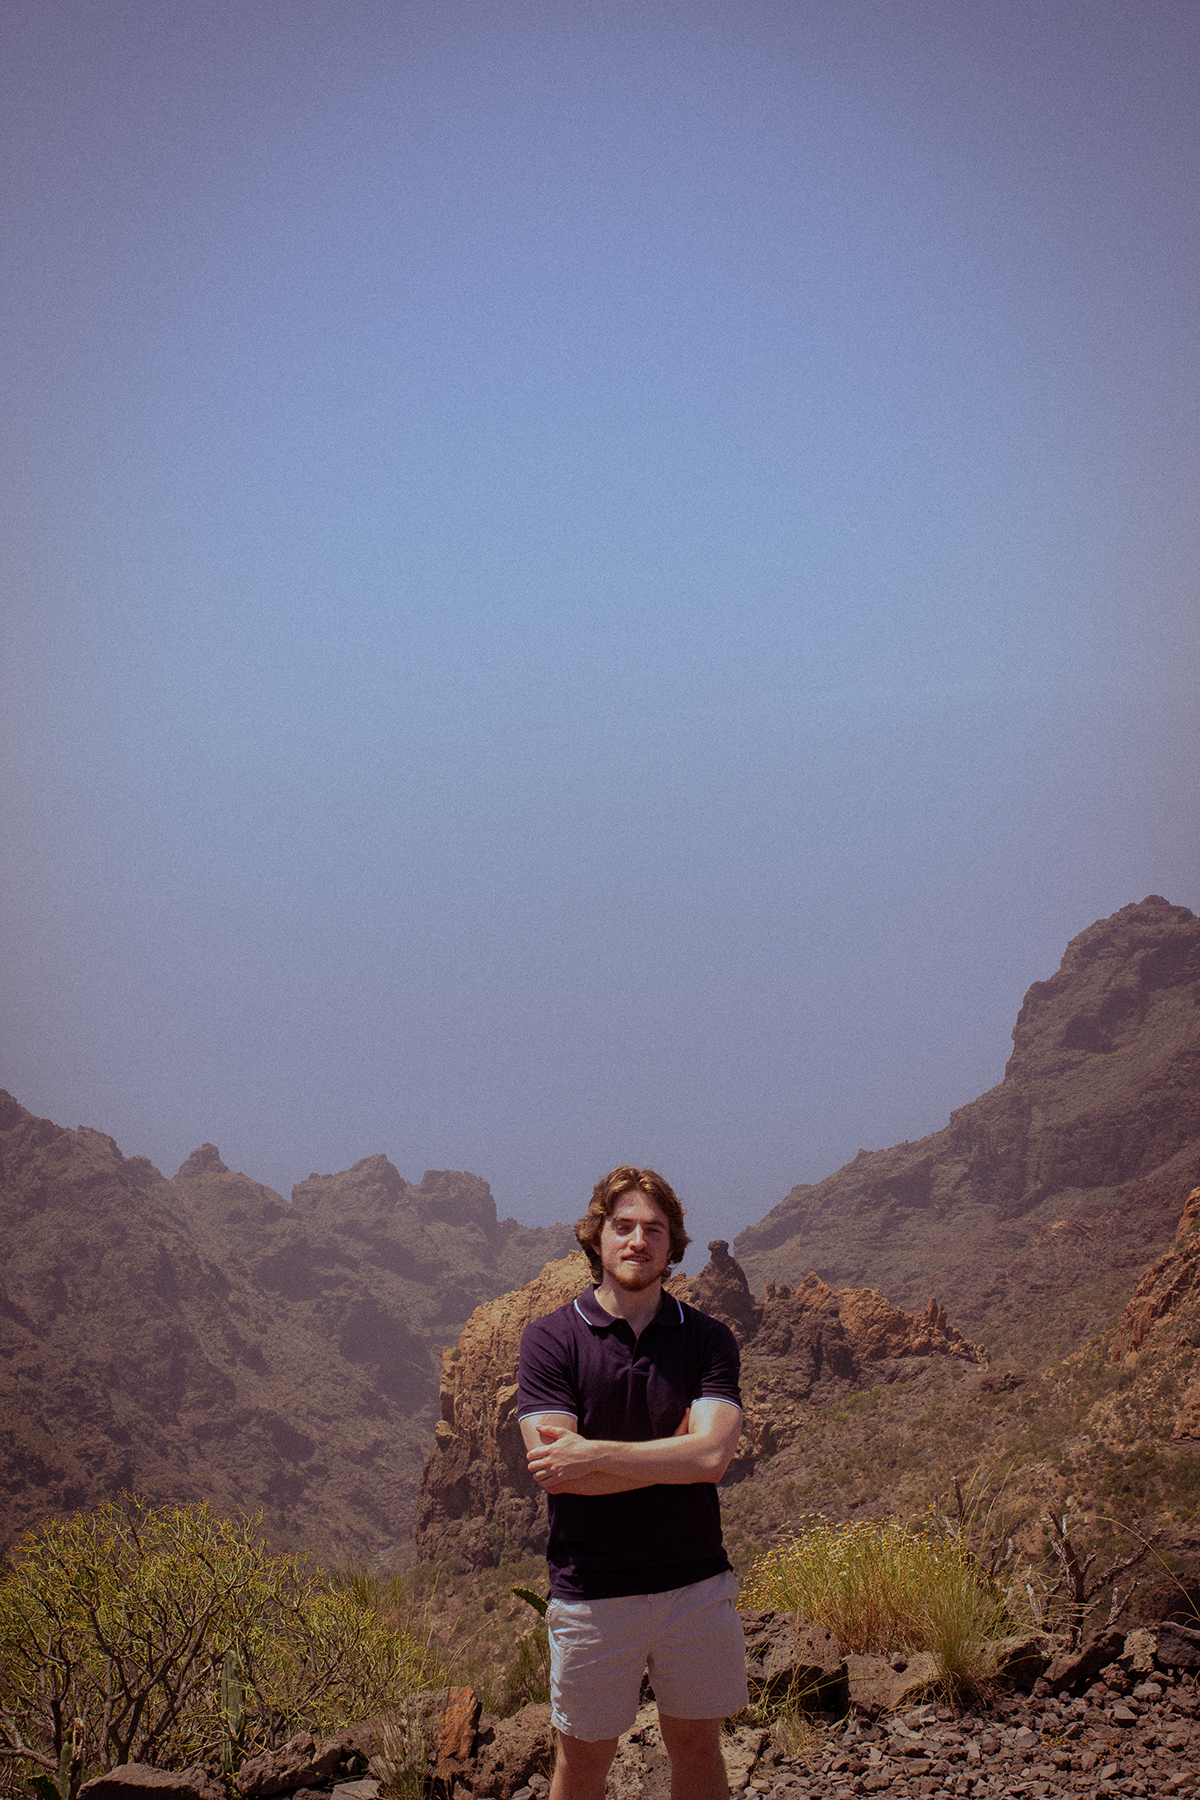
(586, 1737)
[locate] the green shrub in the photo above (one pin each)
(172, 1636)
(880, 1588)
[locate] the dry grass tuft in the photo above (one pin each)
(880, 1587)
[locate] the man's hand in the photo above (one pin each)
(560, 1458)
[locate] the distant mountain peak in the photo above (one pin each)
(204, 1161)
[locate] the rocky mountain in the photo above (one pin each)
(801, 1351)
(1033, 1210)
(200, 1337)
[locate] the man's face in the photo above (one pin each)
(635, 1242)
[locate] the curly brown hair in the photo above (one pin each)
(605, 1195)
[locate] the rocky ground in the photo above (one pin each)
(1119, 1716)
(1145, 1741)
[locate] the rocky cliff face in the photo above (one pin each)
(1033, 1208)
(202, 1338)
(476, 1499)
(1155, 1346)
(800, 1349)
(382, 1270)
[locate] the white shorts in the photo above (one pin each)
(690, 1639)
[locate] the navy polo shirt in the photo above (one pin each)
(580, 1360)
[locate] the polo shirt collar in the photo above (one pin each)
(589, 1309)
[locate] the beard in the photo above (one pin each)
(636, 1277)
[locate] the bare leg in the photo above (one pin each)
(580, 1768)
(697, 1766)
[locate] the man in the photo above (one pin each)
(630, 1412)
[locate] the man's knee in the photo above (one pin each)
(691, 1740)
(582, 1757)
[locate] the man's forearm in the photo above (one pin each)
(673, 1460)
(593, 1485)
(563, 1462)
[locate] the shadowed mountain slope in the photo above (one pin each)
(1031, 1211)
(202, 1338)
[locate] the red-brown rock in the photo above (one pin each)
(510, 1751)
(139, 1781)
(304, 1761)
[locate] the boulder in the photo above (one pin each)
(129, 1780)
(1178, 1646)
(1177, 1598)
(787, 1656)
(1140, 1649)
(456, 1739)
(1073, 1670)
(304, 1761)
(436, 1731)
(509, 1751)
(879, 1684)
(1019, 1660)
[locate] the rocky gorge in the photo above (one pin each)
(201, 1335)
(345, 1362)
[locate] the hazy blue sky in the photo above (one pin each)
(585, 582)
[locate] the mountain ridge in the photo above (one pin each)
(199, 1337)
(1065, 1177)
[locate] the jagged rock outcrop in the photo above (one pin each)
(871, 1325)
(817, 1343)
(1156, 1340)
(200, 1338)
(722, 1291)
(1032, 1209)
(477, 1502)
(1170, 1286)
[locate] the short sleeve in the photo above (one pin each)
(721, 1366)
(546, 1375)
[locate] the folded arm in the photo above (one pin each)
(562, 1462)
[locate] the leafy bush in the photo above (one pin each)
(880, 1588)
(172, 1636)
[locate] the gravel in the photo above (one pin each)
(1025, 1748)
